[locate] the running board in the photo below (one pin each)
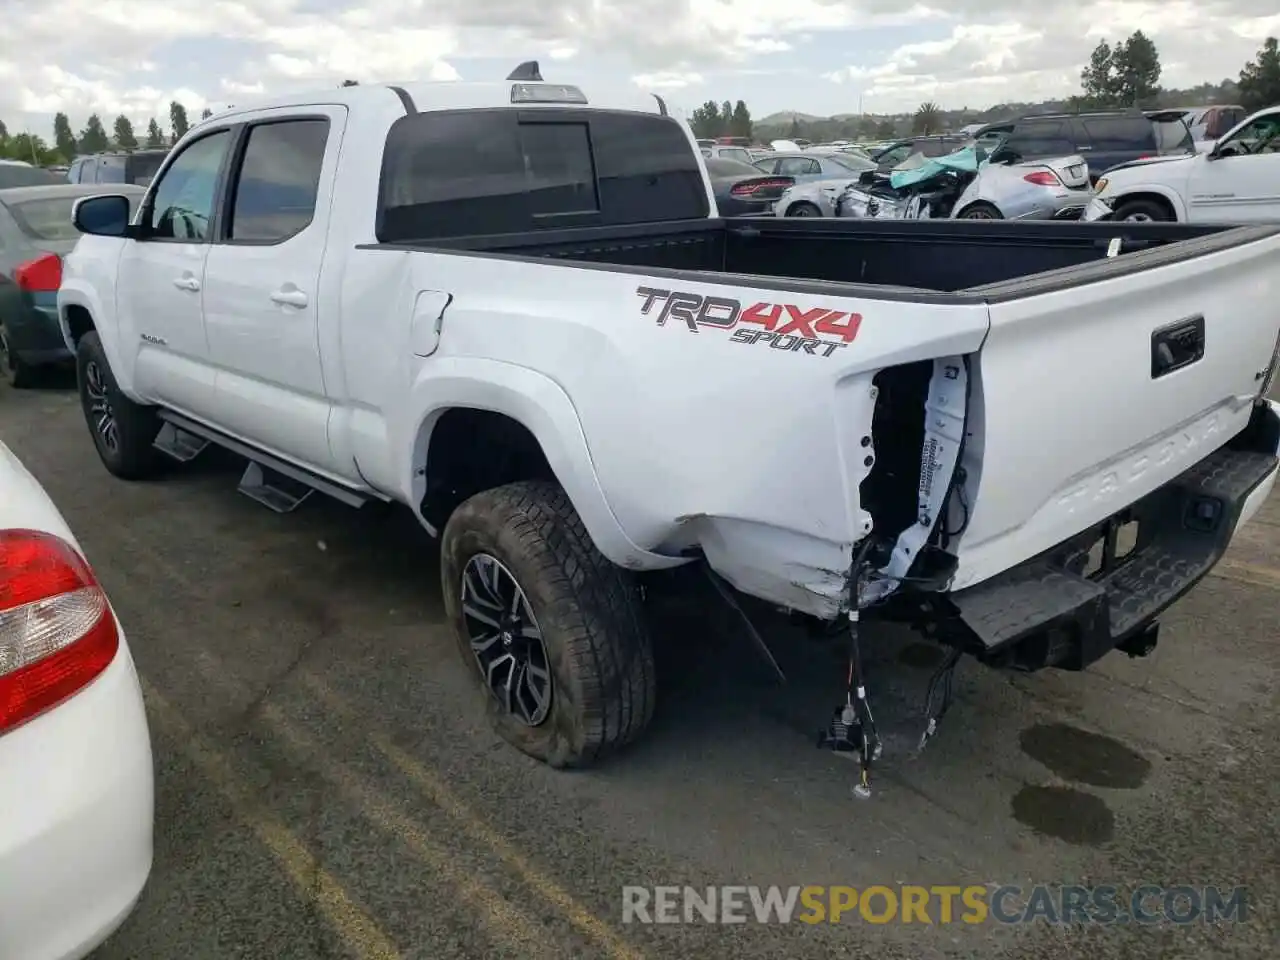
(180, 444)
(277, 485)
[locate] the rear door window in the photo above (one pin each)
(1040, 139)
(279, 178)
(798, 166)
(1119, 134)
(480, 172)
(111, 170)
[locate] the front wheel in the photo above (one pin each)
(551, 630)
(123, 431)
(1142, 211)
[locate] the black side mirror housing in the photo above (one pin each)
(102, 216)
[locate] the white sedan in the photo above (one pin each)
(76, 778)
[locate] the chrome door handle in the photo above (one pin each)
(187, 283)
(289, 298)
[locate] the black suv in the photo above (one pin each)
(137, 166)
(1104, 139)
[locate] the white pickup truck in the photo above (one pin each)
(516, 310)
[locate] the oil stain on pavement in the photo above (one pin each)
(1065, 813)
(1084, 757)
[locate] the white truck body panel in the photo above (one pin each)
(673, 436)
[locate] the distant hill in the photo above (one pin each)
(874, 125)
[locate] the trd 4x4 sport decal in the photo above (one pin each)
(780, 326)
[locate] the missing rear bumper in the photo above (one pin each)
(1104, 588)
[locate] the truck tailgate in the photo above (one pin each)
(1093, 395)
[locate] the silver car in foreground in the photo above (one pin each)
(1057, 189)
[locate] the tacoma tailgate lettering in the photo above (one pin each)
(817, 331)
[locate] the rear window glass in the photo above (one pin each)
(142, 168)
(1119, 133)
(479, 172)
(735, 153)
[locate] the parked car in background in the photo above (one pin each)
(898, 151)
(966, 186)
(136, 167)
(804, 167)
(1208, 124)
(76, 777)
(1104, 139)
(16, 173)
(722, 152)
(35, 233)
(741, 188)
(1236, 181)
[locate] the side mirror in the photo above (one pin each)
(102, 216)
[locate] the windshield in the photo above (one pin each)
(47, 219)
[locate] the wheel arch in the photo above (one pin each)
(533, 423)
(1151, 193)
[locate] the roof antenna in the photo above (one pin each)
(527, 71)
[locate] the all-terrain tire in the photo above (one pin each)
(133, 456)
(588, 612)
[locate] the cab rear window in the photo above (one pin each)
(484, 172)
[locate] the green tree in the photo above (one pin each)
(155, 136)
(4, 134)
(206, 113)
(740, 124)
(1127, 74)
(795, 131)
(178, 120)
(1136, 68)
(29, 147)
(726, 119)
(927, 119)
(125, 139)
(1097, 77)
(93, 138)
(705, 121)
(63, 138)
(1260, 78)
(886, 129)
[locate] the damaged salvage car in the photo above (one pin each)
(516, 310)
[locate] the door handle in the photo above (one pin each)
(289, 297)
(187, 283)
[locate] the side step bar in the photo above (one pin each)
(277, 485)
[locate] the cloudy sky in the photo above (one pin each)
(815, 56)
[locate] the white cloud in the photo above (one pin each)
(134, 56)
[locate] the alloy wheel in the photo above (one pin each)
(505, 639)
(101, 414)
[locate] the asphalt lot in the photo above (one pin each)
(327, 786)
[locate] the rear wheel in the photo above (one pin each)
(1142, 211)
(980, 211)
(17, 374)
(803, 209)
(550, 629)
(123, 431)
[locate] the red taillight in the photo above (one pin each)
(42, 275)
(57, 632)
(1043, 178)
(750, 188)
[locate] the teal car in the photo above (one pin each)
(35, 234)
